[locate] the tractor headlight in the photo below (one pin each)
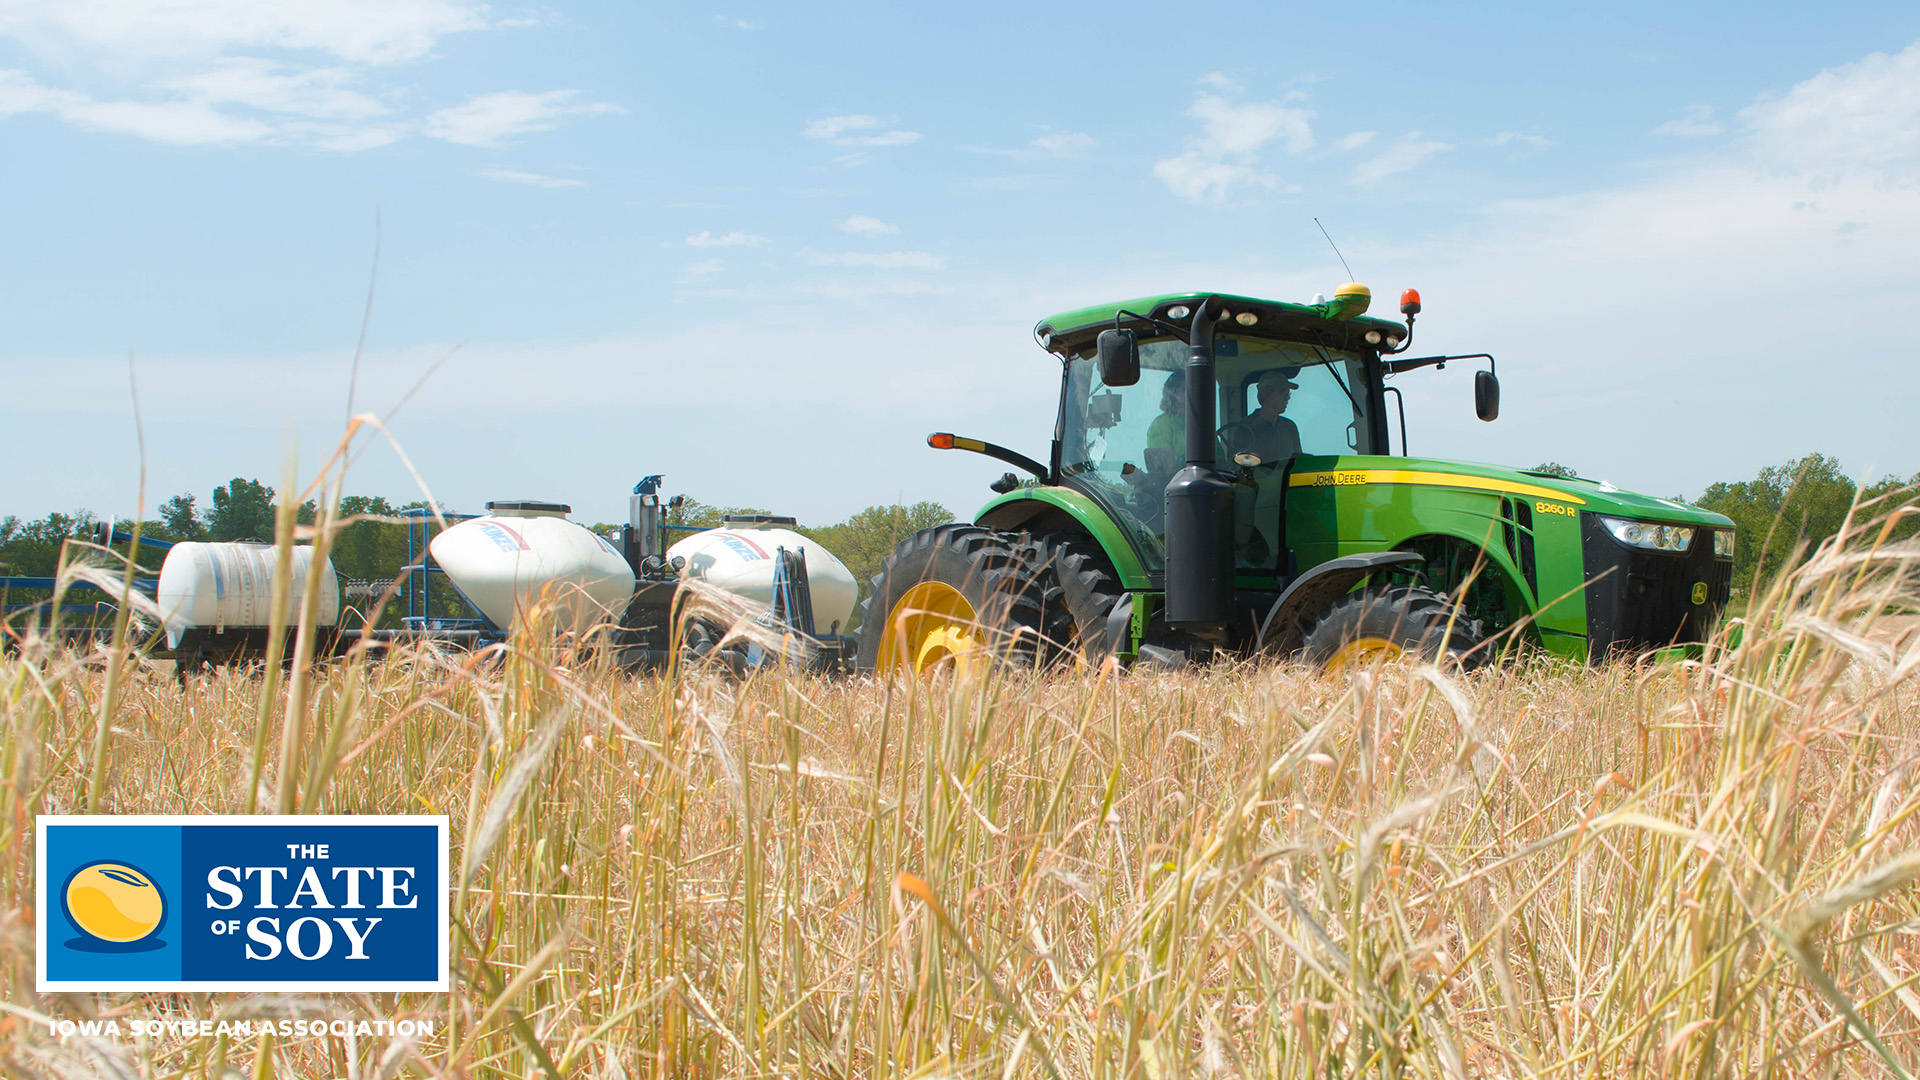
(1723, 543)
(1649, 535)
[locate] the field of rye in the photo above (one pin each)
(1701, 869)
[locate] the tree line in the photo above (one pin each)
(240, 509)
(374, 551)
(1792, 507)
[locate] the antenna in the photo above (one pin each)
(1336, 250)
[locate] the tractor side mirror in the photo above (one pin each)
(1486, 395)
(1119, 352)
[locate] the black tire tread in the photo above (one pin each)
(1411, 616)
(1081, 590)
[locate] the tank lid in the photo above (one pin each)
(528, 508)
(772, 521)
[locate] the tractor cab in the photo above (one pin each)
(1275, 400)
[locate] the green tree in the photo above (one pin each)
(864, 540)
(32, 548)
(1802, 501)
(1554, 468)
(182, 518)
(1901, 497)
(242, 510)
(694, 514)
(369, 550)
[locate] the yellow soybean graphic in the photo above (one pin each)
(114, 902)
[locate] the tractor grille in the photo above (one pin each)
(1639, 600)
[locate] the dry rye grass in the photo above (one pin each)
(1697, 870)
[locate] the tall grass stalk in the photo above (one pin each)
(1703, 870)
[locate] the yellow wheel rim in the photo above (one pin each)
(1363, 653)
(930, 625)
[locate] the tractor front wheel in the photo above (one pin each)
(1387, 622)
(952, 594)
(1082, 591)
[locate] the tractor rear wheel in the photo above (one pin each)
(952, 594)
(1387, 622)
(1081, 590)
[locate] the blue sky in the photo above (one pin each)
(765, 251)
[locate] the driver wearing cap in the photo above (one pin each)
(1267, 433)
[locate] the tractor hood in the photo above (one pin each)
(1591, 495)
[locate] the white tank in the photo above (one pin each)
(504, 563)
(230, 587)
(740, 559)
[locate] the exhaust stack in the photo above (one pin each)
(1199, 499)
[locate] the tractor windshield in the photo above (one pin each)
(1275, 400)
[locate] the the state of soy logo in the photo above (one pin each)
(187, 903)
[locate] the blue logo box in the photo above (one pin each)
(192, 903)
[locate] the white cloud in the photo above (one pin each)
(320, 93)
(1697, 120)
(732, 23)
(191, 76)
(833, 126)
(892, 260)
(867, 226)
(1195, 176)
(358, 31)
(1240, 129)
(310, 103)
(1219, 81)
(1064, 144)
(703, 269)
(705, 239)
(515, 176)
(1863, 113)
(1356, 140)
(345, 138)
(491, 119)
(885, 138)
(857, 129)
(1061, 144)
(179, 123)
(1232, 136)
(1406, 152)
(1533, 144)
(20, 94)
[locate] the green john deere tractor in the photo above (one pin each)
(1222, 481)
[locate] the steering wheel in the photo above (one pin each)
(1237, 437)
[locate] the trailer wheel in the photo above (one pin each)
(1386, 622)
(952, 594)
(1081, 590)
